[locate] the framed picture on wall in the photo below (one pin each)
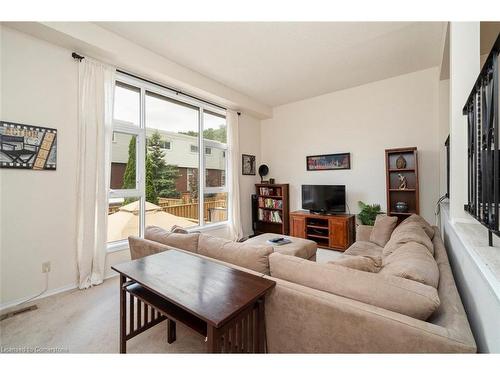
(27, 147)
(248, 165)
(328, 162)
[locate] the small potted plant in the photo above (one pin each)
(368, 213)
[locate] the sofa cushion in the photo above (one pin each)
(366, 249)
(182, 241)
(250, 256)
(392, 293)
(429, 230)
(140, 248)
(299, 247)
(410, 232)
(412, 261)
(359, 262)
(382, 229)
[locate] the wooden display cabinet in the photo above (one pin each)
(409, 195)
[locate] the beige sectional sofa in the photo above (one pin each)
(333, 308)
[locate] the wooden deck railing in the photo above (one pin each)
(163, 202)
(187, 210)
(190, 210)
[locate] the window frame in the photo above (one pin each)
(164, 142)
(140, 133)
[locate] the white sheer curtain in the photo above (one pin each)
(235, 228)
(95, 113)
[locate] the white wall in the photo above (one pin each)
(39, 87)
(365, 120)
(444, 131)
(38, 209)
(464, 69)
(250, 138)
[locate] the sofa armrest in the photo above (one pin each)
(140, 247)
(363, 232)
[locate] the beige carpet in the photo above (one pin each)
(87, 321)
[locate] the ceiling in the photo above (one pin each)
(282, 62)
(489, 34)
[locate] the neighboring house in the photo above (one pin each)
(180, 150)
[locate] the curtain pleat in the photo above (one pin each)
(95, 127)
(235, 227)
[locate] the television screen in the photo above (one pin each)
(323, 198)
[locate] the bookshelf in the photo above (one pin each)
(272, 208)
(409, 170)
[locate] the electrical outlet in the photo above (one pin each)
(46, 267)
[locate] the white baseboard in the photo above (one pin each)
(48, 293)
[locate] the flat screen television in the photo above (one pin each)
(323, 198)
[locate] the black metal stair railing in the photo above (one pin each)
(483, 153)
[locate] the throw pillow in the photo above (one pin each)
(410, 232)
(429, 230)
(382, 230)
(178, 229)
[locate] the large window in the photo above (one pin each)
(154, 183)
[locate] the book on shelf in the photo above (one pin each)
(270, 216)
(269, 191)
(270, 203)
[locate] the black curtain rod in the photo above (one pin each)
(78, 57)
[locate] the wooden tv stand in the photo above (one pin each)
(335, 232)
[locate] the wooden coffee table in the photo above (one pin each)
(222, 304)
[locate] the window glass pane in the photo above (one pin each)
(127, 103)
(123, 218)
(215, 139)
(171, 177)
(215, 172)
(215, 207)
(214, 127)
(123, 161)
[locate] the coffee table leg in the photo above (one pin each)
(260, 327)
(171, 331)
(123, 315)
(213, 340)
